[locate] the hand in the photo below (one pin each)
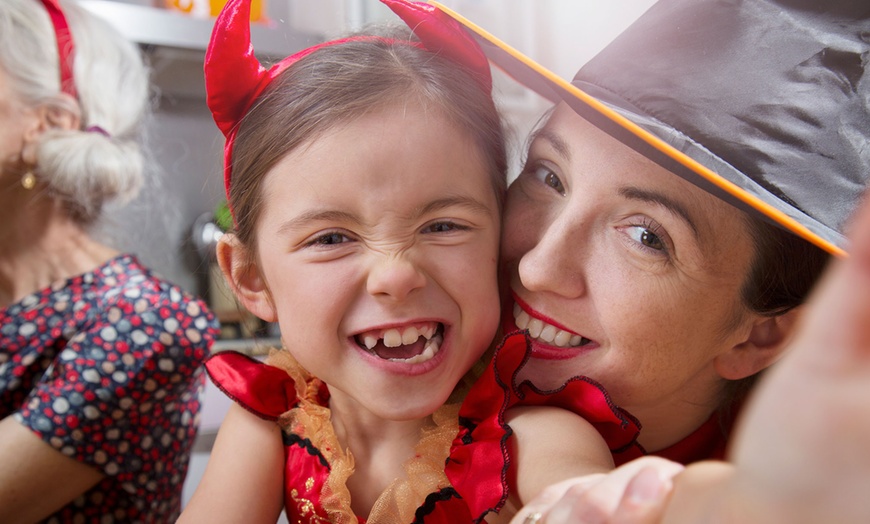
(634, 493)
(801, 449)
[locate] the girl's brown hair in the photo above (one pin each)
(338, 83)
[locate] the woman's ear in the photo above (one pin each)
(47, 116)
(244, 278)
(57, 115)
(765, 343)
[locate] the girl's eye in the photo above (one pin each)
(330, 239)
(443, 227)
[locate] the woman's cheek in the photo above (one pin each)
(520, 230)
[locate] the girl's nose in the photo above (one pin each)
(394, 277)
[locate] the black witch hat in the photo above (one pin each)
(764, 103)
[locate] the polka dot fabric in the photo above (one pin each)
(107, 368)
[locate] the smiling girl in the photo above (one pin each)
(366, 180)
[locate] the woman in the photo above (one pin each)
(99, 358)
(639, 242)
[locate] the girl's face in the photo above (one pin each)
(626, 273)
(377, 254)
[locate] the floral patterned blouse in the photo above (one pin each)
(106, 368)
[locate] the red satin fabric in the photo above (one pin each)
(263, 390)
(269, 392)
(479, 459)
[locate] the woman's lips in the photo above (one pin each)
(549, 342)
(545, 332)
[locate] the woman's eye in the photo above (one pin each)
(647, 237)
(550, 178)
(553, 181)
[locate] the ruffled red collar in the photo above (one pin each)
(479, 459)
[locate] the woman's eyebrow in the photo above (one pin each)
(676, 208)
(555, 141)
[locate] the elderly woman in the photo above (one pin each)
(677, 206)
(99, 358)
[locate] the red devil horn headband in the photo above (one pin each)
(65, 46)
(234, 77)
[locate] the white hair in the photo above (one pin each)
(86, 169)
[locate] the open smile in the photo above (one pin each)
(546, 333)
(411, 344)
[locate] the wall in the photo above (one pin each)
(184, 181)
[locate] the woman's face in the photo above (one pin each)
(625, 272)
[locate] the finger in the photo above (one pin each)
(528, 516)
(541, 504)
(645, 498)
(838, 317)
(585, 504)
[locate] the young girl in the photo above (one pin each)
(365, 177)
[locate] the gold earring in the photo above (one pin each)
(28, 181)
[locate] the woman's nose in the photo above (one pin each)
(555, 259)
(394, 277)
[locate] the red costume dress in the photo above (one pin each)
(316, 468)
(479, 459)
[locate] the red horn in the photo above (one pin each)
(232, 72)
(442, 34)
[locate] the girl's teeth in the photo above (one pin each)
(562, 338)
(396, 337)
(392, 338)
(432, 347)
(575, 340)
(410, 336)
